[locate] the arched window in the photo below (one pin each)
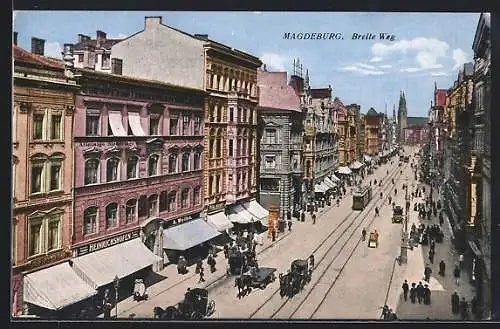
(184, 198)
(112, 215)
(172, 163)
(163, 201)
(185, 161)
(153, 205)
(131, 211)
(91, 171)
(90, 220)
(132, 167)
(171, 201)
(197, 195)
(153, 165)
(112, 170)
(197, 160)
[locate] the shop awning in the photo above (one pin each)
(244, 216)
(475, 249)
(356, 165)
(100, 268)
(335, 178)
(257, 210)
(329, 183)
(115, 122)
(187, 235)
(55, 287)
(219, 221)
(319, 188)
(134, 120)
(344, 170)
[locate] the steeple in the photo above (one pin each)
(402, 101)
(394, 112)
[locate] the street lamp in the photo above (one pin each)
(404, 241)
(116, 284)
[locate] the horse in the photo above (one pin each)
(284, 284)
(157, 312)
(243, 284)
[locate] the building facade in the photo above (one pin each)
(95, 54)
(281, 126)
(372, 132)
(343, 131)
(353, 110)
(42, 166)
(138, 161)
(416, 131)
(360, 144)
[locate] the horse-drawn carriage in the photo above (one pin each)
(296, 278)
(397, 214)
(256, 278)
(240, 261)
(373, 240)
(195, 306)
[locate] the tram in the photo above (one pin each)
(361, 197)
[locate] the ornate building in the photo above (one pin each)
(281, 141)
(402, 117)
(354, 110)
(360, 144)
(42, 171)
(416, 132)
(372, 132)
(343, 131)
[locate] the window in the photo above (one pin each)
(55, 176)
(112, 170)
(185, 161)
(238, 115)
(218, 148)
(211, 148)
(217, 184)
(270, 184)
(36, 177)
(250, 120)
(244, 180)
(35, 237)
(171, 201)
(270, 162)
(197, 160)
(112, 215)
(270, 136)
(132, 167)
(154, 126)
(153, 165)
(231, 114)
(210, 185)
(244, 148)
(238, 147)
(92, 123)
(196, 195)
(153, 205)
(219, 113)
(197, 125)
(172, 163)
(105, 61)
(230, 147)
(245, 119)
(53, 233)
(38, 119)
(184, 197)
(173, 125)
(185, 125)
(80, 58)
(131, 211)
(91, 171)
(55, 128)
(163, 201)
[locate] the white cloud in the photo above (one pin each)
(411, 69)
(460, 57)
(376, 59)
(367, 66)
(385, 66)
(274, 61)
(429, 51)
(362, 70)
(440, 74)
(53, 49)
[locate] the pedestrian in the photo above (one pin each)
(427, 273)
(442, 267)
(202, 276)
(433, 244)
(395, 191)
(199, 266)
(363, 234)
(456, 274)
(211, 262)
(413, 292)
(461, 261)
(455, 303)
(273, 234)
(226, 250)
(289, 225)
(405, 290)
(390, 200)
(441, 219)
(314, 218)
(420, 292)
(427, 295)
(381, 195)
(464, 311)
(431, 256)
(106, 304)
(376, 211)
(311, 261)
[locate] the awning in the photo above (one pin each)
(344, 170)
(244, 216)
(475, 249)
(335, 178)
(100, 268)
(256, 209)
(356, 165)
(188, 235)
(134, 120)
(115, 122)
(55, 287)
(330, 183)
(219, 221)
(319, 188)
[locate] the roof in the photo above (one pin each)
(340, 107)
(416, 121)
(275, 93)
(371, 112)
(440, 96)
(321, 93)
(106, 44)
(24, 56)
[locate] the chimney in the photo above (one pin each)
(100, 37)
(201, 36)
(15, 38)
(151, 21)
(83, 37)
(68, 60)
(37, 46)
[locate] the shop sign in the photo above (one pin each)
(130, 144)
(95, 246)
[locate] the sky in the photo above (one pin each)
(427, 48)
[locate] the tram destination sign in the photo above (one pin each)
(99, 245)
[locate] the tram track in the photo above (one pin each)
(350, 221)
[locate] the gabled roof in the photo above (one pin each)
(339, 107)
(440, 97)
(24, 56)
(275, 93)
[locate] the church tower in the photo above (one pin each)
(402, 117)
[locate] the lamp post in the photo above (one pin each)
(404, 240)
(116, 283)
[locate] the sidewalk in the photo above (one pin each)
(441, 287)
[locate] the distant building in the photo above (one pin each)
(416, 133)
(402, 117)
(372, 131)
(354, 110)
(95, 54)
(361, 150)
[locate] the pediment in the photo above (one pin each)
(174, 148)
(155, 141)
(113, 149)
(91, 150)
(272, 124)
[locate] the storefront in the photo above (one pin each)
(244, 220)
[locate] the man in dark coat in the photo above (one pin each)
(314, 218)
(431, 257)
(420, 292)
(455, 303)
(427, 295)
(464, 310)
(405, 290)
(442, 268)
(441, 218)
(427, 273)
(413, 292)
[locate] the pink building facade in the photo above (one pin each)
(138, 161)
